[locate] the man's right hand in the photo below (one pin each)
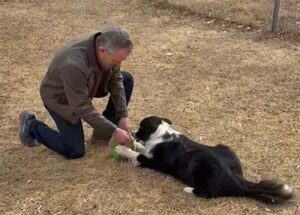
(122, 137)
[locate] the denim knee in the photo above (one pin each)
(74, 153)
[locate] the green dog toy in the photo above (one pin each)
(113, 152)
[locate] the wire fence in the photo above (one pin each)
(278, 16)
(275, 15)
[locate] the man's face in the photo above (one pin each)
(110, 60)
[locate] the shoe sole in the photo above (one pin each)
(26, 141)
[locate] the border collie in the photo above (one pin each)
(208, 172)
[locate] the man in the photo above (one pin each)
(79, 72)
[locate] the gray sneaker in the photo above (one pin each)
(25, 119)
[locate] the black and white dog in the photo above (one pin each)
(207, 171)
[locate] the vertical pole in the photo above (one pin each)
(275, 15)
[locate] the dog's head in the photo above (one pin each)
(153, 128)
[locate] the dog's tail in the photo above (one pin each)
(268, 191)
(215, 179)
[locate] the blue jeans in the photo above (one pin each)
(69, 139)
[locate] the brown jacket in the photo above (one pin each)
(74, 78)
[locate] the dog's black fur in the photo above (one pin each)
(210, 171)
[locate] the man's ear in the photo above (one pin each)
(101, 50)
(167, 121)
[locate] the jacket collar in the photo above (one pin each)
(92, 55)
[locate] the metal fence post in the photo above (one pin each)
(275, 15)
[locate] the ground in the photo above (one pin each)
(217, 85)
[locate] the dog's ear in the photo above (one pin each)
(167, 121)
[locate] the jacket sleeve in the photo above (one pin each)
(117, 92)
(76, 89)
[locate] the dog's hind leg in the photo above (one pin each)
(197, 192)
(188, 190)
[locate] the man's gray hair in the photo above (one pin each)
(114, 38)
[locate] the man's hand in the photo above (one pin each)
(122, 137)
(125, 124)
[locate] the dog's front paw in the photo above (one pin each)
(121, 150)
(128, 153)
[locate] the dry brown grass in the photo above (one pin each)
(253, 14)
(221, 87)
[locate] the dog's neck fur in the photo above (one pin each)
(163, 133)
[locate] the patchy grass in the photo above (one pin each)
(217, 86)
